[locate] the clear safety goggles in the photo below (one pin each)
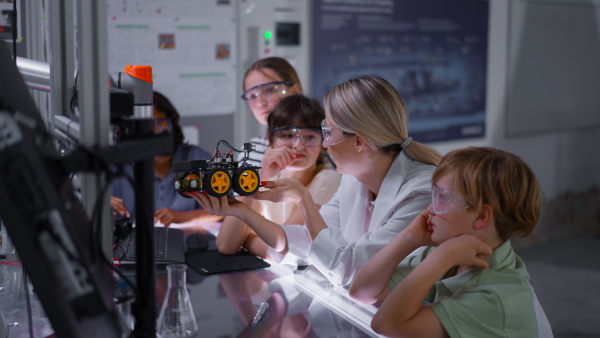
(331, 137)
(443, 201)
(269, 91)
(287, 136)
(162, 125)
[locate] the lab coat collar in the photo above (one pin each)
(390, 187)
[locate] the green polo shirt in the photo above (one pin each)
(494, 302)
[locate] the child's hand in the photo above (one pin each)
(465, 250)
(418, 231)
(275, 160)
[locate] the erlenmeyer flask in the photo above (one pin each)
(177, 317)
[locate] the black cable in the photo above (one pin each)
(69, 254)
(97, 215)
(97, 219)
(138, 192)
(74, 99)
(28, 302)
(98, 206)
(72, 102)
(14, 32)
(142, 308)
(125, 278)
(228, 145)
(100, 200)
(58, 241)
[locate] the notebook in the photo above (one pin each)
(168, 246)
(210, 262)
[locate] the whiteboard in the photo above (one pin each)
(553, 67)
(190, 44)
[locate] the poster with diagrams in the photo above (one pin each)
(434, 52)
(190, 45)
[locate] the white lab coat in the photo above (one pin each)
(345, 246)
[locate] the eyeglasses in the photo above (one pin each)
(443, 201)
(330, 138)
(162, 125)
(269, 91)
(287, 136)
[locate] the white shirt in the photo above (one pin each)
(321, 188)
(344, 247)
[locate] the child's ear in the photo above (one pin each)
(485, 217)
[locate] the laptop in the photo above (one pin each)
(168, 246)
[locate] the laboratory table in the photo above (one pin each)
(302, 303)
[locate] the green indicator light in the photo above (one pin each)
(268, 34)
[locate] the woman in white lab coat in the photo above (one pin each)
(386, 183)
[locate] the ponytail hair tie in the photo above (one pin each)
(406, 142)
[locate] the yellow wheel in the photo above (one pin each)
(246, 181)
(218, 183)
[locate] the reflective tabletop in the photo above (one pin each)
(302, 303)
(14, 321)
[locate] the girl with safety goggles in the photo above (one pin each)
(296, 152)
(387, 182)
(267, 81)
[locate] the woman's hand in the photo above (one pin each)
(275, 160)
(283, 190)
(118, 206)
(464, 250)
(220, 206)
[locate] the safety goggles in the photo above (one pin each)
(443, 201)
(162, 125)
(332, 137)
(269, 91)
(287, 136)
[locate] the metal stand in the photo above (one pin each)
(93, 97)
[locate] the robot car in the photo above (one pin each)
(218, 175)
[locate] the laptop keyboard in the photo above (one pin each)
(128, 245)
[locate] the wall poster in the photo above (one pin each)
(189, 44)
(433, 51)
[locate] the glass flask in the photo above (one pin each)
(124, 298)
(176, 317)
